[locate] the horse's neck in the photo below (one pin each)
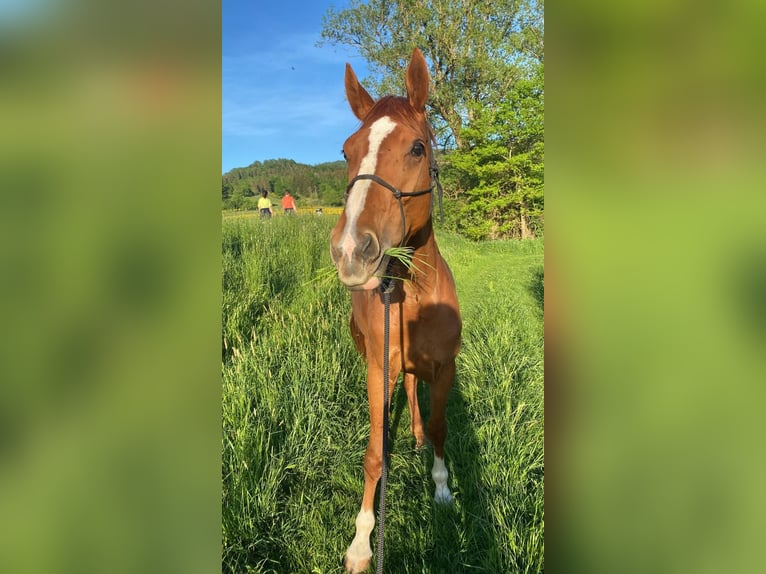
(426, 258)
(428, 251)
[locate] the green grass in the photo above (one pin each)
(295, 420)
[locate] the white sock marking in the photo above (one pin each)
(360, 546)
(357, 196)
(440, 475)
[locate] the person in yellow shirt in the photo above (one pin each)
(264, 204)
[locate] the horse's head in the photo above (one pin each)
(387, 199)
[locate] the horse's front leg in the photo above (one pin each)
(359, 552)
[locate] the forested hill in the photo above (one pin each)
(321, 184)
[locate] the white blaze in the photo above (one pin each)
(357, 196)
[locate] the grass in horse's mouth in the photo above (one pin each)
(323, 276)
(405, 255)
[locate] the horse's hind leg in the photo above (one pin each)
(437, 429)
(416, 424)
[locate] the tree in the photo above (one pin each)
(486, 101)
(499, 172)
(477, 49)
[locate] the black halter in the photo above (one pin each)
(433, 171)
(379, 180)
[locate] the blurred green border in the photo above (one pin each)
(656, 264)
(110, 288)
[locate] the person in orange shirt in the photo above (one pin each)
(288, 204)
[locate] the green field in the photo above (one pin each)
(295, 419)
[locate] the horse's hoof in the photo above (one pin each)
(355, 566)
(443, 495)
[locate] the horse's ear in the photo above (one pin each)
(358, 98)
(417, 81)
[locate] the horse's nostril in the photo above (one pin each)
(369, 248)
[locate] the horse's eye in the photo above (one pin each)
(418, 149)
(344, 154)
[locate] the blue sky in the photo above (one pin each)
(282, 96)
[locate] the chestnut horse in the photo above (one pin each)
(389, 205)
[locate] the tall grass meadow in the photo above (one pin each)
(295, 418)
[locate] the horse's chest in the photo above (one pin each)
(421, 332)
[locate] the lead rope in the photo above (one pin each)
(434, 171)
(386, 287)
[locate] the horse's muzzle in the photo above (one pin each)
(357, 261)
